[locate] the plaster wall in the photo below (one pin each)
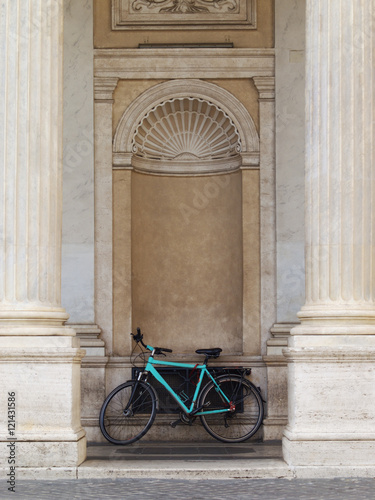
(290, 181)
(78, 163)
(187, 260)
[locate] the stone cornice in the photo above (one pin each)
(223, 165)
(122, 161)
(104, 88)
(265, 87)
(94, 362)
(282, 329)
(184, 63)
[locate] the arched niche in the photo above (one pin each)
(217, 96)
(188, 136)
(185, 142)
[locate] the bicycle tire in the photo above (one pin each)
(123, 428)
(244, 421)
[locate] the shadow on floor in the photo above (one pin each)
(161, 450)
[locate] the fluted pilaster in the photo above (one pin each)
(340, 271)
(30, 160)
(330, 356)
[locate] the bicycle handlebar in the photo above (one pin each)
(160, 350)
(138, 337)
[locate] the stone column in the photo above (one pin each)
(39, 357)
(331, 355)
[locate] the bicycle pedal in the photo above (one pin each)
(174, 424)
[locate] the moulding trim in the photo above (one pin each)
(104, 88)
(130, 64)
(224, 165)
(282, 329)
(266, 87)
(330, 354)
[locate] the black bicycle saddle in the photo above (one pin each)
(212, 353)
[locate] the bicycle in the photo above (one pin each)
(230, 407)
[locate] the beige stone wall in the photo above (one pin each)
(187, 260)
(247, 289)
(104, 37)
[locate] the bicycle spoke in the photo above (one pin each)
(123, 421)
(246, 417)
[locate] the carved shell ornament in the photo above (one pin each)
(186, 129)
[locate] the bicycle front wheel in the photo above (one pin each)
(128, 412)
(245, 419)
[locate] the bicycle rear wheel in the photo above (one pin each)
(128, 412)
(234, 426)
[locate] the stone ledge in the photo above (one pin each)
(334, 453)
(264, 470)
(330, 354)
(43, 473)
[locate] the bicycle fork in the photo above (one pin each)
(127, 411)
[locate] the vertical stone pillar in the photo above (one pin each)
(331, 355)
(266, 88)
(39, 357)
(276, 378)
(104, 89)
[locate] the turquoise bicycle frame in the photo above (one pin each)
(203, 370)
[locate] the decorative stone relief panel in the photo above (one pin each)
(183, 14)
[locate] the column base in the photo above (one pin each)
(331, 411)
(273, 428)
(40, 396)
(44, 453)
(338, 453)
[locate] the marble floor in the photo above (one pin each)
(201, 459)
